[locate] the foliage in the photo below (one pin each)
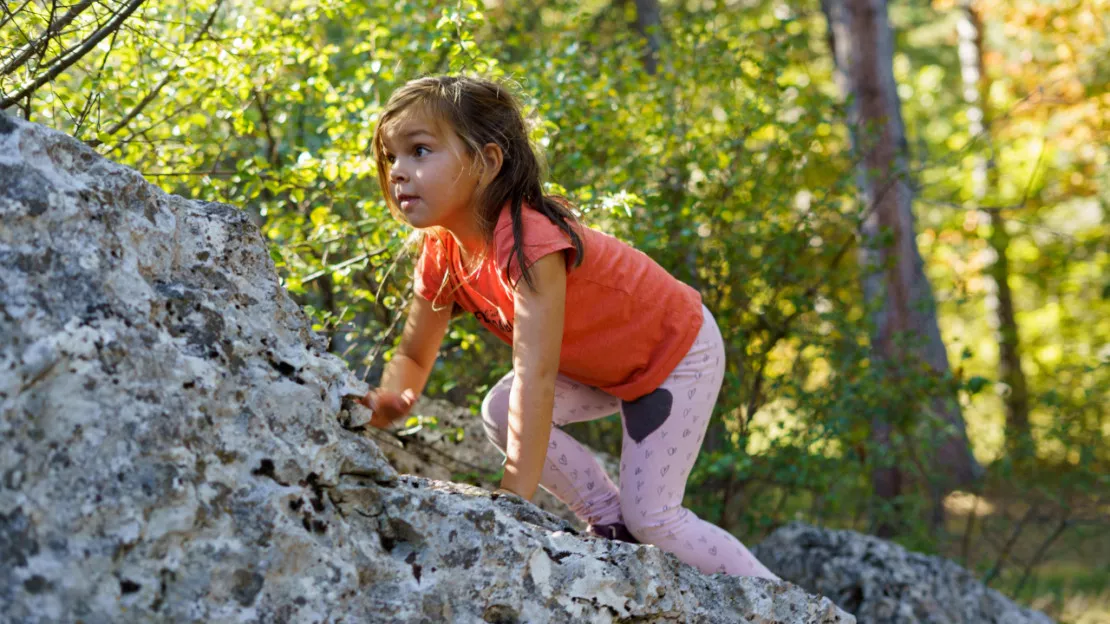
(736, 176)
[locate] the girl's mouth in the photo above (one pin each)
(406, 201)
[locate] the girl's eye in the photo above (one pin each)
(421, 147)
(390, 158)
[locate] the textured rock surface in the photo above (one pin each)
(880, 581)
(172, 451)
(433, 452)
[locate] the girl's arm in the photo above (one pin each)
(416, 354)
(537, 339)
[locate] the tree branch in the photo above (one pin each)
(170, 74)
(63, 62)
(11, 14)
(1060, 528)
(1009, 545)
(40, 42)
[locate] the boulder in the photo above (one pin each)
(172, 444)
(881, 582)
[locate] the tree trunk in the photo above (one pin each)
(1019, 439)
(649, 23)
(862, 47)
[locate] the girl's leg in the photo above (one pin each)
(663, 432)
(570, 472)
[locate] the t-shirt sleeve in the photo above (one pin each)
(541, 237)
(429, 280)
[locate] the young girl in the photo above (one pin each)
(596, 326)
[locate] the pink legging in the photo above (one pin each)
(663, 431)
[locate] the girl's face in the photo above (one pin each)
(431, 175)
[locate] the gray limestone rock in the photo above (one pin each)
(881, 582)
(171, 445)
(433, 451)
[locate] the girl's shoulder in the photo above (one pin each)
(539, 237)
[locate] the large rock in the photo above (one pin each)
(881, 582)
(172, 447)
(877, 581)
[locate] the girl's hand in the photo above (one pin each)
(387, 406)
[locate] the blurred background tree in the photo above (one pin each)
(714, 136)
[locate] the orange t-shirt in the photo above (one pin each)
(627, 324)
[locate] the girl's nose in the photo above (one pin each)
(397, 175)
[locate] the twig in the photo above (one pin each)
(40, 42)
(373, 355)
(154, 125)
(271, 142)
(1060, 528)
(1008, 546)
(46, 42)
(171, 73)
(95, 94)
(369, 359)
(965, 544)
(11, 14)
(63, 62)
(342, 265)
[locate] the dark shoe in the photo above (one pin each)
(615, 531)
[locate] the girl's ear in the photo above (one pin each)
(493, 159)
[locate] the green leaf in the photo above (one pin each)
(319, 215)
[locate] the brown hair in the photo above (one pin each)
(482, 111)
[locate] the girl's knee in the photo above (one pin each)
(648, 523)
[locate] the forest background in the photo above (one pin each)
(734, 143)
